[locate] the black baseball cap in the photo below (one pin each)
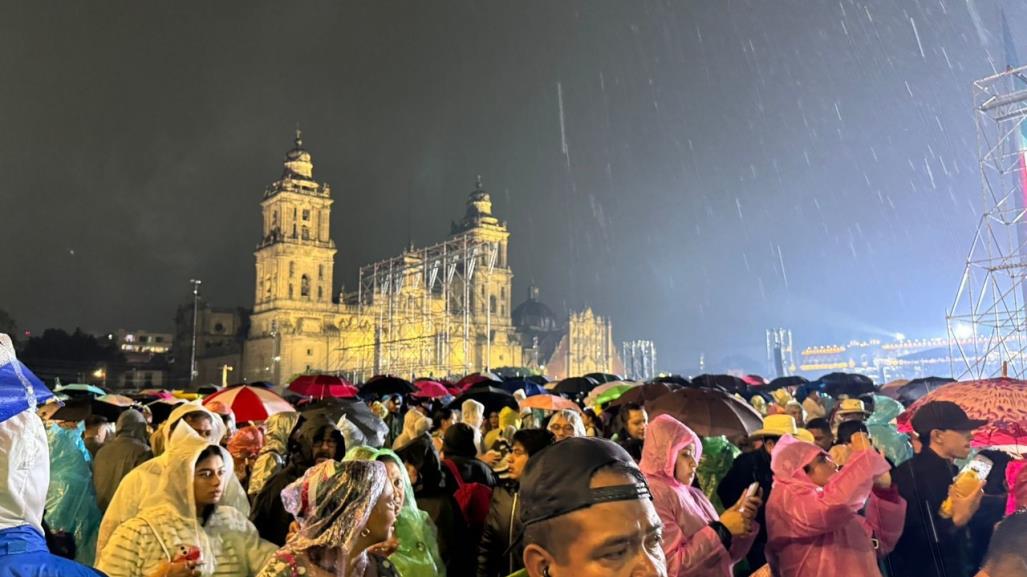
(945, 416)
(557, 480)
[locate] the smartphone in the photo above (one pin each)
(980, 465)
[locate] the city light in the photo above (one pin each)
(900, 337)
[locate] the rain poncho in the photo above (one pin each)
(332, 502)
(1016, 480)
(885, 435)
(134, 487)
(508, 421)
(816, 531)
(718, 454)
(115, 459)
(70, 500)
(415, 424)
(272, 456)
(418, 552)
(691, 545)
(168, 525)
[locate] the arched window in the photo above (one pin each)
(492, 304)
(306, 233)
(320, 294)
(305, 286)
(274, 220)
(320, 272)
(290, 290)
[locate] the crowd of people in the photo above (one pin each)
(824, 487)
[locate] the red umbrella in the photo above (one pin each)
(250, 403)
(549, 403)
(1002, 402)
(430, 390)
(476, 378)
(323, 386)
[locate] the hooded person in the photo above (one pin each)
(885, 434)
(342, 511)
(460, 449)
(415, 424)
(315, 439)
(187, 421)
(814, 513)
(25, 475)
(116, 458)
(417, 553)
(182, 525)
(696, 541)
(508, 423)
(472, 414)
(70, 500)
(272, 457)
(717, 456)
(244, 446)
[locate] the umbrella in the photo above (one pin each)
(161, 409)
(322, 386)
(79, 390)
(20, 390)
(1001, 401)
(607, 392)
(76, 409)
(891, 388)
(250, 403)
(356, 412)
(530, 388)
(644, 394)
(386, 385)
(603, 377)
(913, 390)
(475, 378)
(575, 386)
(430, 390)
(513, 372)
(784, 382)
(709, 412)
(493, 398)
(549, 403)
(208, 389)
(754, 380)
(672, 380)
(848, 384)
(729, 383)
(111, 406)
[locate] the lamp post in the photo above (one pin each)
(192, 350)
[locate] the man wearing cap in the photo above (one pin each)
(755, 467)
(25, 475)
(932, 545)
(852, 410)
(586, 511)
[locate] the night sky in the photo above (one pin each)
(721, 167)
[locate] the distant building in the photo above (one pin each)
(881, 360)
(221, 332)
(143, 341)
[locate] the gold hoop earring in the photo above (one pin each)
(367, 532)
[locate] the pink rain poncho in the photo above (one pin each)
(815, 531)
(691, 546)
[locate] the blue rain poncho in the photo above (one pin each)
(71, 500)
(885, 435)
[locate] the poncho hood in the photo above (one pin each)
(665, 437)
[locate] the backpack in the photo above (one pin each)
(474, 498)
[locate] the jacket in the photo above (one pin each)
(272, 455)
(502, 528)
(931, 546)
(23, 553)
(116, 458)
(747, 468)
(691, 545)
(817, 530)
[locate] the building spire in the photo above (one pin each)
(477, 183)
(299, 136)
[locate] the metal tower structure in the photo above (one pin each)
(986, 323)
(780, 355)
(639, 359)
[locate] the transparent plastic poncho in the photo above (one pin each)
(418, 552)
(884, 433)
(71, 499)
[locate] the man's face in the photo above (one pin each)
(561, 428)
(324, 448)
(516, 460)
(624, 539)
(823, 438)
(951, 444)
(394, 405)
(637, 422)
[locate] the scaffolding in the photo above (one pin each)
(780, 355)
(986, 323)
(639, 360)
(420, 308)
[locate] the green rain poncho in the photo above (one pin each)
(717, 456)
(883, 432)
(418, 552)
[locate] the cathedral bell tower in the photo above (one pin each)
(296, 254)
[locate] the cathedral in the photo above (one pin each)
(441, 310)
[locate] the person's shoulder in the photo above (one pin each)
(229, 517)
(44, 564)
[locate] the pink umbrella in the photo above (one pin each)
(549, 403)
(250, 403)
(1001, 401)
(430, 390)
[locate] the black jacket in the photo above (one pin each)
(748, 468)
(471, 470)
(930, 546)
(502, 527)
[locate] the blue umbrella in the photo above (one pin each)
(530, 388)
(20, 390)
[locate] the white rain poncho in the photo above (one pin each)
(24, 472)
(168, 526)
(272, 455)
(332, 502)
(140, 481)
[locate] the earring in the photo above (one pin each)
(367, 532)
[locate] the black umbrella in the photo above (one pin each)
(208, 389)
(729, 383)
(709, 412)
(913, 390)
(356, 412)
(493, 398)
(74, 409)
(644, 394)
(386, 385)
(677, 380)
(601, 378)
(575, 386)
(110, 411)
(849, 384)
(783, 382)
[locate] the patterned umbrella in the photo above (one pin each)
(1002, 402)
(321, 387)
(709, 412)
(250, 403)
(549, 403)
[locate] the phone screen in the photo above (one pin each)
(981, 466)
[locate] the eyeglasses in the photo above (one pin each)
(568, 429)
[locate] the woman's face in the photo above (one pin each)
(517, 459)
(636, 423)
(396, 480)
(684, 467)
(821, 469)
(561, 428)
(383, 516)
(207, 486)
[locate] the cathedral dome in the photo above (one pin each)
(298, 164)
(533, 315)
